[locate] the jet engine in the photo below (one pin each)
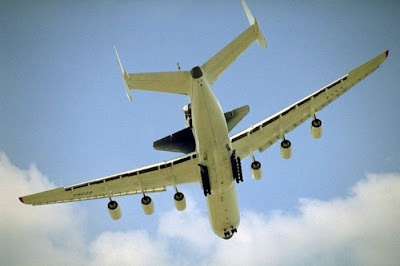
(114, 210)
(316, 128)
(256, 170)
(286, 149)
(180, 201)
(147, 205)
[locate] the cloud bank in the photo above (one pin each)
(362, 228)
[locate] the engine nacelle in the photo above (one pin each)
(187, 110)
(256, 170)
(114, 210)
(147, 205)
(316, 128)
(286, 149)
(180, 201)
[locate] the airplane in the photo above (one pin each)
(210, 157)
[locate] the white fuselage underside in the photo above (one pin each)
(214, 149)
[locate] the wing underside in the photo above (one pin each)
(265, 133)
(153, 178)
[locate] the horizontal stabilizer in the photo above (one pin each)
(217, 64)
(172, 82)
(178, 82)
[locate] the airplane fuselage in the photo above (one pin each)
(214, 149)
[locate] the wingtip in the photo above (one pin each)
(21, 199)
(249, 15)
(387, 53)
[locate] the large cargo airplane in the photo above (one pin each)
(211, 157)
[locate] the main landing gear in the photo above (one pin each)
(229, 233)
(205, 178)
(236, 167)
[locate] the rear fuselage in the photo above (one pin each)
(214, 149)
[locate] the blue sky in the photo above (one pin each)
(64, 113)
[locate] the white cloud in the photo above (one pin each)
(35, 235)
(189, 226)
(359, 229)
(128, 248)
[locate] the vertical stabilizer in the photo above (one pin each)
(125, 76)
(260, 37)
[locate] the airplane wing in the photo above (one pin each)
(153, 178)
(265, 133)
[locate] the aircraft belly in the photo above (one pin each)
(223, 211)
(214, 148)
(209, 123)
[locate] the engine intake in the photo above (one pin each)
(316, 128)
(180, 201)
(114, 210)
(256, 170)
(147, 205)
(286, 149)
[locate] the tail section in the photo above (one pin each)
(125, 76)
(173, 82)
(180, 82)
(217, 64)
(260, 37)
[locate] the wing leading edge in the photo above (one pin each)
(265, 133)
(153, 178)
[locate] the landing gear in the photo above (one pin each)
(205, 178)
(229, 233)
(236, 167)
